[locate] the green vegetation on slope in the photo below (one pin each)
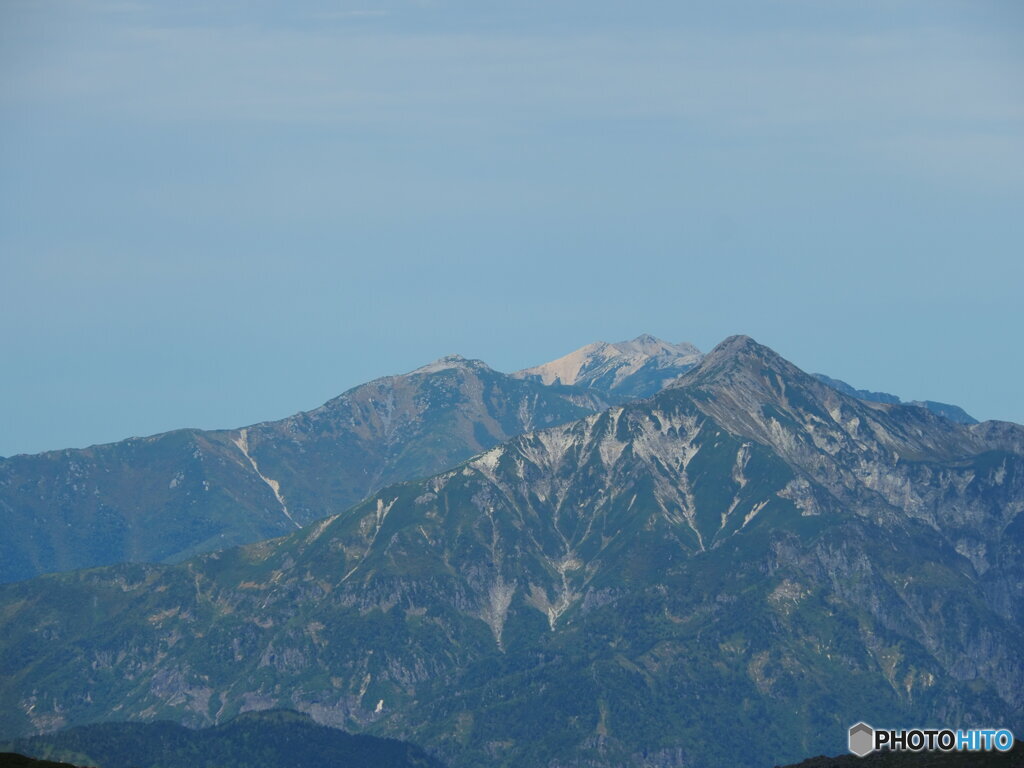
(269, 739)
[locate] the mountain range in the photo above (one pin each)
(727, 573)
(170, 496)
(167, 497)
(951, 412)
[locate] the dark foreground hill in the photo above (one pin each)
(14, 760)
(1012, 759)
(272, 739)
(727, 574)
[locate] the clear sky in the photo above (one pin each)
(217, 213)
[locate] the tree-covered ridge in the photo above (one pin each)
(270, 739)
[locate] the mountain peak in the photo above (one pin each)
(738, 353)
(450, 362)
(738, 345)
(636, 368)
(738, 379)
(567, 369)
(753, 391)
(652, 346)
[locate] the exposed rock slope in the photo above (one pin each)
(726, 574)
(625, 370)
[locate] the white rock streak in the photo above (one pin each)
(242, 441)
(376, 522)
(495, 610)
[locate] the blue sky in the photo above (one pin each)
(217, 213)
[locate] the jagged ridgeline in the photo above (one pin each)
(168, 497)
(726, 574)
(271, 739)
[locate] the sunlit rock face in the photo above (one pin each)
(625, 370)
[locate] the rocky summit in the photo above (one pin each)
(728, 573)
(625, 370)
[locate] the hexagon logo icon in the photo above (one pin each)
(862, 739)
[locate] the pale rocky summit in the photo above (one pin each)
(624, 370)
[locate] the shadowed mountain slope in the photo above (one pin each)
(951, 412)
(270, 739)
(170, 496)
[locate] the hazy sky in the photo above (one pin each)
(222, 212)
